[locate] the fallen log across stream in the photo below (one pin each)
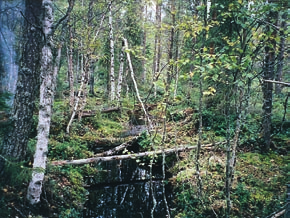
(128, 156)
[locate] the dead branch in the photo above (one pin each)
(125, 157)
(279, 214)
(117, 149)
(277, 82)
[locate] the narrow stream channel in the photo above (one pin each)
(123, 189)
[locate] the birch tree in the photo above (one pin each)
(70, 66)
(157, 44)
(47, 88)
(111, 38)
(15, 141)
(120, 77)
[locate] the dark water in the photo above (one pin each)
(124, 189)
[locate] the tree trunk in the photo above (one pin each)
(92, 81)
(45, 107)
(171, 45)
(144, 41)
(47, 89)
(16, 139)
(228, 152)
(267, 88)
(70, 67)
(111, 37)
(281, 54)
(120, 78)
(135, 86)
(79, 102)
(157, 52)
(83, 102)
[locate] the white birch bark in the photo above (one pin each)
(45, 107)
(135, 85)
(47, 89)
(112, 73)
(120, 78)
(75, 109)
(70, 67)
(84, 91)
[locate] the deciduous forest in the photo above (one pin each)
(144, 108)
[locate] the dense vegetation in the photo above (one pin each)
(209, 79)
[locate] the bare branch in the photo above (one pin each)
(277, 82)
(69, 9)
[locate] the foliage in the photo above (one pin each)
(66, 188)
(68, 150)
(222, 46)
(144, 140)
(4, 97)
(258, 188)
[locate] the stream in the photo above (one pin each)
(124, 189)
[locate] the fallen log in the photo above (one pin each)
(127, 156)
(117, 149)
(92, 113)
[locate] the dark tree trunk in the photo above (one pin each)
(92, 82)
(281, 54)
(267, 88)
(16, 138)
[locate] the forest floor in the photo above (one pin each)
(258, 186)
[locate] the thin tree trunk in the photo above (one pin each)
(111, 37)
(92, 80)
(135, 85)
(144, 42)
(176, 58)
(83, 99)
(267, 88)
(170, 51)
(127, 85)
(158, 44)
(228, 152)
(120, 78)
(281, 54)
(84, 82)
(197, 163)
(70, 67)
(237, 135)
